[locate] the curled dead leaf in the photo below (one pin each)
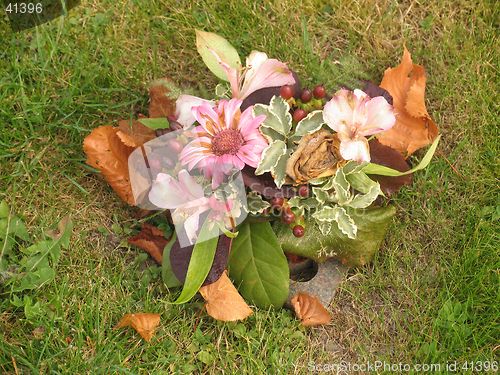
(162, 104)
(310, 310)
(107, 153)
(144, 323)
(414, 127)
(223, 300)
(150, 239)
(137, 135)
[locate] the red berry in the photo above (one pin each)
(298, 231)
(167, 162)
(175, 145)
(174, 125)
(289, 217)
(299, 114)
(306, 95)
(303, 191)
(319, 92)
(286, 92)
(155, 164)
(277, 202)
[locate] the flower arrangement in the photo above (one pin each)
(262, 168)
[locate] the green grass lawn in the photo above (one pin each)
(431, 295)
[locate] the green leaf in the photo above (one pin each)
(385, 171)
(353, 167)
(258, 266)
(364, 200)
(4, 209)
(371, 222)
(279, 170)
(271, 135)
(281, 109)
(338, 214)
(201, 261)
(272, 120)
(255, 204)
(342, 188)
(167, 274)
(227, 53)
(270, 157)
(361, 182)
(310, 124)
(320, 194)
(155, 123)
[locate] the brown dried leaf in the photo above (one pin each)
(139, 134)
(144, 323)
(106, 152)
(161, 104)
(414, 127)
(150, 239)
(310, 310)
(223, 300)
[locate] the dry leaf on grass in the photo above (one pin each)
(144, 323)
(138, 135)
(150, 239)
(223, 300)
(310, 310)
(414, 127)
(161, 104)
(106, 152)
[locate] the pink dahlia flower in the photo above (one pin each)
(227, 140)
(354, 115)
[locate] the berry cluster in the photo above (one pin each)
(309, 100)
(165, 159)
(288, 216)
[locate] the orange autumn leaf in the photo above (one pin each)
(144, 323)
(138, 135)
(107, 153)
(150, 239)
(223, 300)
(162, 105)
(310, 310)
(414, 127)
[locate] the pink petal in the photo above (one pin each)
(271, 73)
(380, 116)
(183, 106)
(355, 150)
(231, 73)
(338, 111)
(230, 108)
(188, 183)
(166, 192)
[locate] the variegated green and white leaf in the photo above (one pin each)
(364, 200)
(321, 195)
(271, 135)
(279, 170)
(327, 213)
(255, 203)
(361, 182)
(296, 202)
(329, 182)
(311, 203)
(223, 91)
(354, 167)
(325, 227)
(281, 109)
(318, 181)
(345, 223)
(272, 120)
(270, 156)
(309, 124)
(342, 188)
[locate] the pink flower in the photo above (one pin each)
(186, 197)
(259, 73)
(227, 140)
(354, 115)
(183, 112)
